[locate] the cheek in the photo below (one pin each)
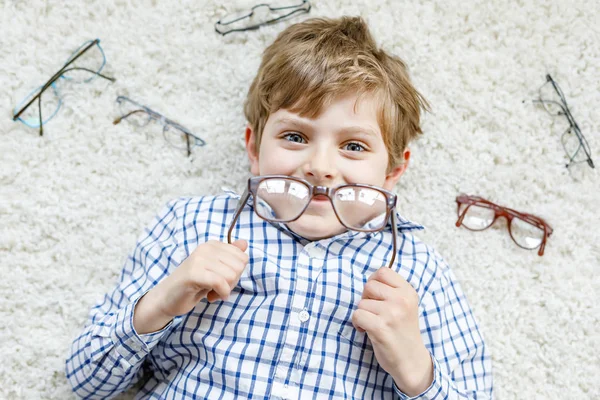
(370, 171)
(275, 160)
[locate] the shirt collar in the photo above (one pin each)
(403, 224)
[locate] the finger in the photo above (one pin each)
(216, 282)
(376, 307)
(212, 296)
(241, 244)
(231, 261)
(230, 273)
(364, 321)
(389, 277)
(214, 246)
(378, 290)
(236, 249)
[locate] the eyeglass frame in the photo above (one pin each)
(58, 75)
(583, 143)
(315, 190)
(501, 211)
(153, 115)
(301, 7)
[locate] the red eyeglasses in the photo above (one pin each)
(526, 230)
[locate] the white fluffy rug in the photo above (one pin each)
(73, 201)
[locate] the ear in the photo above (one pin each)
(394, 175)
(252, 150)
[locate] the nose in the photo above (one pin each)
(319, 169)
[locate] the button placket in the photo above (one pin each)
(313, 271)
(299, 312)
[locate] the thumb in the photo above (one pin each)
(241, 244)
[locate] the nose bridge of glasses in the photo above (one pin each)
(503, 212)
(321, 191)
(260, 7)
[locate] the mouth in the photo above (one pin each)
(319, 204)
(320, 198)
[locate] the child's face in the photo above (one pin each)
(340, 146)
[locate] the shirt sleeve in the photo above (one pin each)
(462, 363)
(105, 359)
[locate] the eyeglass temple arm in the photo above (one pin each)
(394, 237)
(542, 246)
(187, 142)
(237, 213)
(40, 114)
(116, 121)
(547, 233)
(90, 71)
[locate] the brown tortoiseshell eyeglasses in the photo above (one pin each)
(526, 230)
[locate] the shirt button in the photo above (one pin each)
(303, 316)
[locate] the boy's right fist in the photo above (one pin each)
(212, 270)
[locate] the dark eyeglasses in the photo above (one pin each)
(358, 207)
(88, 59)
(526, 230)
(575, 144)
(140, 115)
(261, 14)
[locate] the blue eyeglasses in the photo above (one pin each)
(88, 59)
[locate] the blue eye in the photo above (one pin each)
(294, 137)
(353, 146)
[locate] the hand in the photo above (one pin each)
(212, 271)
(388, 312)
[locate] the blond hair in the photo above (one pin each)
(315, 62)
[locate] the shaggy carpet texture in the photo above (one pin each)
(73, 202)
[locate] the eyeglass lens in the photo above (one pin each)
(50, 105)
(574, 145)
(552, 101)
(86, 66)
(176, 137)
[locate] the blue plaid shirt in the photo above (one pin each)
(285, 332)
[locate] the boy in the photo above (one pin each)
(303, 309)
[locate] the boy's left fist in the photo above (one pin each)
(389, 312)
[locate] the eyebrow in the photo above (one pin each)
(348, 129)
